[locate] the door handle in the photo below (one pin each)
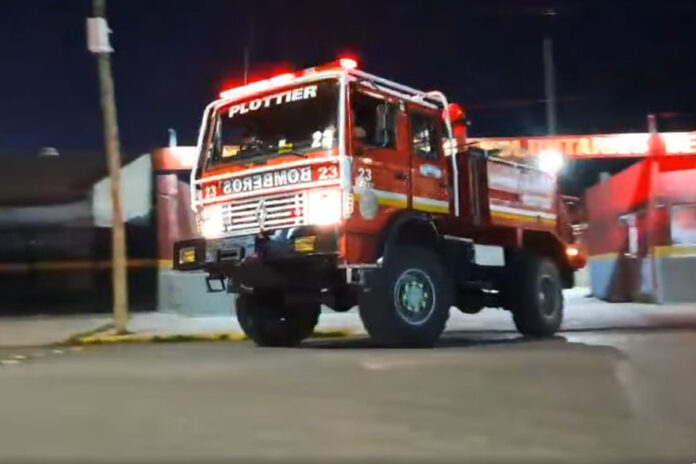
(401, 176)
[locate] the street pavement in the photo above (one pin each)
(618, 391)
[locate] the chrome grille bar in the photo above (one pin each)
(242, 217)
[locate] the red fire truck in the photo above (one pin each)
(334, 186)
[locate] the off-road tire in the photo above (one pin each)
(535, 296)
(269, 322)
(387, 302)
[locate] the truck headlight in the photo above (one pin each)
(211, 225)
(323, 207)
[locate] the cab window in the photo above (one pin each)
(374, 121)
(425, 136)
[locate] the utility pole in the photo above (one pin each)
(550, 87)
(98, 43)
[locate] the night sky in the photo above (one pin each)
(616, 61)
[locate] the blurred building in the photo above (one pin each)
(642, 232)
(55, 236)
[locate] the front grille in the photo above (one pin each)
(243, 217)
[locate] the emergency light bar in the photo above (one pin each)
(259, 86)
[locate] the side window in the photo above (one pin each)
(683, 224)
(425, 136)
(374, 121)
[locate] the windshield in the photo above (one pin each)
(291, 121)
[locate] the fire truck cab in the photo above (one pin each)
(333, 186)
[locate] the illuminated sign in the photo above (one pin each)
(590, 146)
(302, 93)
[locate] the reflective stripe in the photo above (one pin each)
(521, 218)
(391, 195)
(523, 212)
(385, 198)
(431, 205)
(401, 200)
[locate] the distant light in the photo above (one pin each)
(348, 63)
(48, 151)
(551, 161)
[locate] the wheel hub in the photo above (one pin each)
(414, 296)
(547, 296)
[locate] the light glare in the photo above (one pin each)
(551, 161)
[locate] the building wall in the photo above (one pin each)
(633, 255)
(136, 194)
(57, 257)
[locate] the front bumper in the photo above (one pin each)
(281, 257)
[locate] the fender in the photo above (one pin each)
(421, 224)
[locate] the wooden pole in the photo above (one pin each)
(113, 157)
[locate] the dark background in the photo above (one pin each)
(616, 61)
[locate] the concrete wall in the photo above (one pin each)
(618, 278)
(136, 190)
(677, 278)
(185, 293)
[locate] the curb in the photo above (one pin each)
(73, 339)
(180, 338)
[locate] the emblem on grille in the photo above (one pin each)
(261, 213)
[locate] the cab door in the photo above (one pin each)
(381, 164)
(430, 190)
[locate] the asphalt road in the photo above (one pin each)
(598, 396)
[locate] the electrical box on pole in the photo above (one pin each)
(98, 36)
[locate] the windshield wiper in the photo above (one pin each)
(293, 153)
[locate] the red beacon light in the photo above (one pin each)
(348, 63)
(455, 112)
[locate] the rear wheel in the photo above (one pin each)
(535, 296)
(269, 322)
(406, 303)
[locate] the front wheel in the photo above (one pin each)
(406, 303)
(536, 298)
(269, 322)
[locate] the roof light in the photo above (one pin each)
(348, 63)
(455, 112)
(282, 78)
(258, 86)
(245, 89)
